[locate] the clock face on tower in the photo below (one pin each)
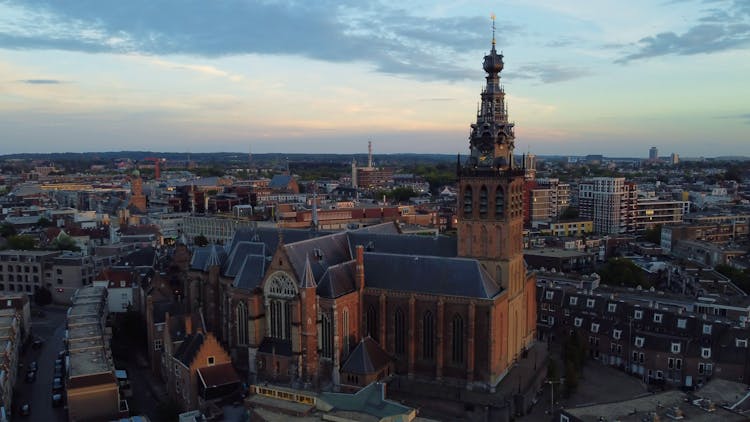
(485, 159)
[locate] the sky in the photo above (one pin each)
(605, 77)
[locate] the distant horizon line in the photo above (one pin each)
(240, 153)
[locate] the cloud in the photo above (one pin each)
(393, 40)
(548, 72)
(724, 26)
(41, 81)
(744, 117)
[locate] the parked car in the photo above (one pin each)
(58, 372)
(57, 385)
(33, 366)
(37, 344)
(57, 400)
(30, 376)
(25, 409)
(61, 354)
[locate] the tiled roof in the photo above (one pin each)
(367, 358)
(218, 375)
(428, 274)
(251, 272)
(338, 280)
(404, 244)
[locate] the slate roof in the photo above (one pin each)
(218, 375)
(238, 254)
(276, 346)
(404, 244)
(338, 280)
(390, 227)
(205, 257)
(189, 348)
(323, 252)
(145, 257)
(251, 272)
(428, 274)
(280, 181)
(270, 236)
(367, 358)
(160, 310)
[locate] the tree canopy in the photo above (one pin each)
(623, 272)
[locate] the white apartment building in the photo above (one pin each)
(610, 202)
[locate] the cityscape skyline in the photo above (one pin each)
(328, 77)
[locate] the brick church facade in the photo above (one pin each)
(343, 309)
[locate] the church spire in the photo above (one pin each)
(492, 137)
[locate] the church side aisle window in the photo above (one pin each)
(327, 331)
(399, 331)
(241, 324)
(372, 322)
(428, 336)
(458, 339)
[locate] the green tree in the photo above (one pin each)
(168, 411)
(571, 379)
(64, 243)
(569, 213)
(7, 230)
(653, 235)
(623, 272)
(733, 173)
(200, 240)
(21, 242)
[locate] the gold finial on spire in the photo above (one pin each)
(492, 16)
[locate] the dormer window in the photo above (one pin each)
(590, 303)
(574, 300)
(612, 307)
(742, 343)
(578, 322)
(681, 323)
(675, 348)
(706, 328)
(657, 318)
(616, 334)
(638, 314)
(594, 327)
(706, 352)
(549, 295)
(639, 341)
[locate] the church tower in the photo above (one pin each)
(490, 208)
(490, 202)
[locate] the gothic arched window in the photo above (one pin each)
(483, 202)
(279, 291)
(399, 331)
(327, 336)
(372, 322)
(468, 201)
(428, 336)
(458, 339)
(499, 202)
(241, 324)
(345, 330)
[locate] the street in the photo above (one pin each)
(51, 329)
